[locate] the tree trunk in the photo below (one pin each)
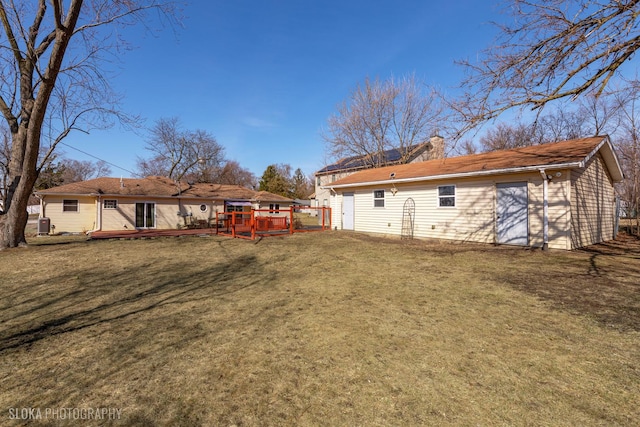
(24, 158)
(14, 219)
(26, 129)
(12, 225)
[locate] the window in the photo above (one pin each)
(69, 206)
(110, 204)
(274, 207)
(333, 177)
(447, 196)
(378, 199)
(318, 181)
(203, 208)
(235, 208)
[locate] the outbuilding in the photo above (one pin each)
(559, 195)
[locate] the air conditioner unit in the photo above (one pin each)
(44, 226)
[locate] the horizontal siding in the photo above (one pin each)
(167, 214)
(558, 211)
(121, 218)
(70, 222)
(470, 220)
(192, 208)
(473, 217)
(592, 204)
(323, 194)
(336, 211)
(559, 189)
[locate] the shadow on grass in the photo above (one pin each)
(606, 288)
(57, 240)
(104, 295)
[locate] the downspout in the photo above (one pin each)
(98, 216)
(545, 210)
(41, 198)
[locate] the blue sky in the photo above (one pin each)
(264, 76)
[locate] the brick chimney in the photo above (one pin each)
(437, 147)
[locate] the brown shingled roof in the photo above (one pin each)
(156, 186)
(150, 186)
(218, 191)
(265, 196)
(546, 155)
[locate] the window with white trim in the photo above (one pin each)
(110, 204)
(447, 196)
(378, 198)
(274, 207)
(69, 205)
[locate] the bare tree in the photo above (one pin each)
(379, 116)
(591, 116)
(82, 170)
(552, 49)
(52, 83)
(178, 154)
(466, 147)
(601, 113)
(234, 174)
(629, 150)
(504, 137)
(561, 124)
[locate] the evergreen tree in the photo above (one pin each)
(275, 182)
(300, 184)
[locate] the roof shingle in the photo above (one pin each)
(565, 152)
(156, 186)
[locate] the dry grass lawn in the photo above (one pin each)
(321, 329)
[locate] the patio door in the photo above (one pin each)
(512, 214)
(145, 215)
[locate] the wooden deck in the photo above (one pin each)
(140, 234)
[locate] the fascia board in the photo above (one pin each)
(461, 175)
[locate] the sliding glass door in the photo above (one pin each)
(145, 215)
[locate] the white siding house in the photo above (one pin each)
(554, 195)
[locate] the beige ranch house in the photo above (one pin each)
(558, 195)
(106, 204)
